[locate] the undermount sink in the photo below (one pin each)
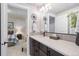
(55, 38)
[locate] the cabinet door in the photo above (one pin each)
(36, 49)
(43, 48)
(31, 47)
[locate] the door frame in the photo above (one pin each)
(4, 27)
(4, 31)
(0, 29)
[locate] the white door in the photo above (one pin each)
(3, 28)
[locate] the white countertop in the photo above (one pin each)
(62, 46)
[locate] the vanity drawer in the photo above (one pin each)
(54, 53)
(43, 48)
(35, 43)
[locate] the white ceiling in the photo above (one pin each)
(17, 10)
(34, 5)
(45, 7)
(54, 7)
(16, 13)
(60, 7)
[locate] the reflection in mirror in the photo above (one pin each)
(72, 20)
(63, 24)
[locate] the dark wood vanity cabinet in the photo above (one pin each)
(34, 47)
(39, 49)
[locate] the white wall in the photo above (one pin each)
(19, 23)
(61, 21)
(38, 20)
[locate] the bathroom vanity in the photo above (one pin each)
(44, 46)
(39, 49)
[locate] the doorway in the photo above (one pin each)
(17, 31)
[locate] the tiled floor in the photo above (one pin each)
(16, 50)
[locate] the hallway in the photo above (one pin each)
(16, 50)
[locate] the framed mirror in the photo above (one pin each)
(63, 24)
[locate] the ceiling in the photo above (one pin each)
(44, 7)
(60, 7)
(16, 13)
(34, 5)
(52, 7)
(17, 10)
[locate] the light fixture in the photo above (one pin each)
(46, 7)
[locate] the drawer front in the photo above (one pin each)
(43, 48)
(54, 53)
(35, 43)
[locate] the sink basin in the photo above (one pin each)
(55, 38)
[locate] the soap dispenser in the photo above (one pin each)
(44, 33)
